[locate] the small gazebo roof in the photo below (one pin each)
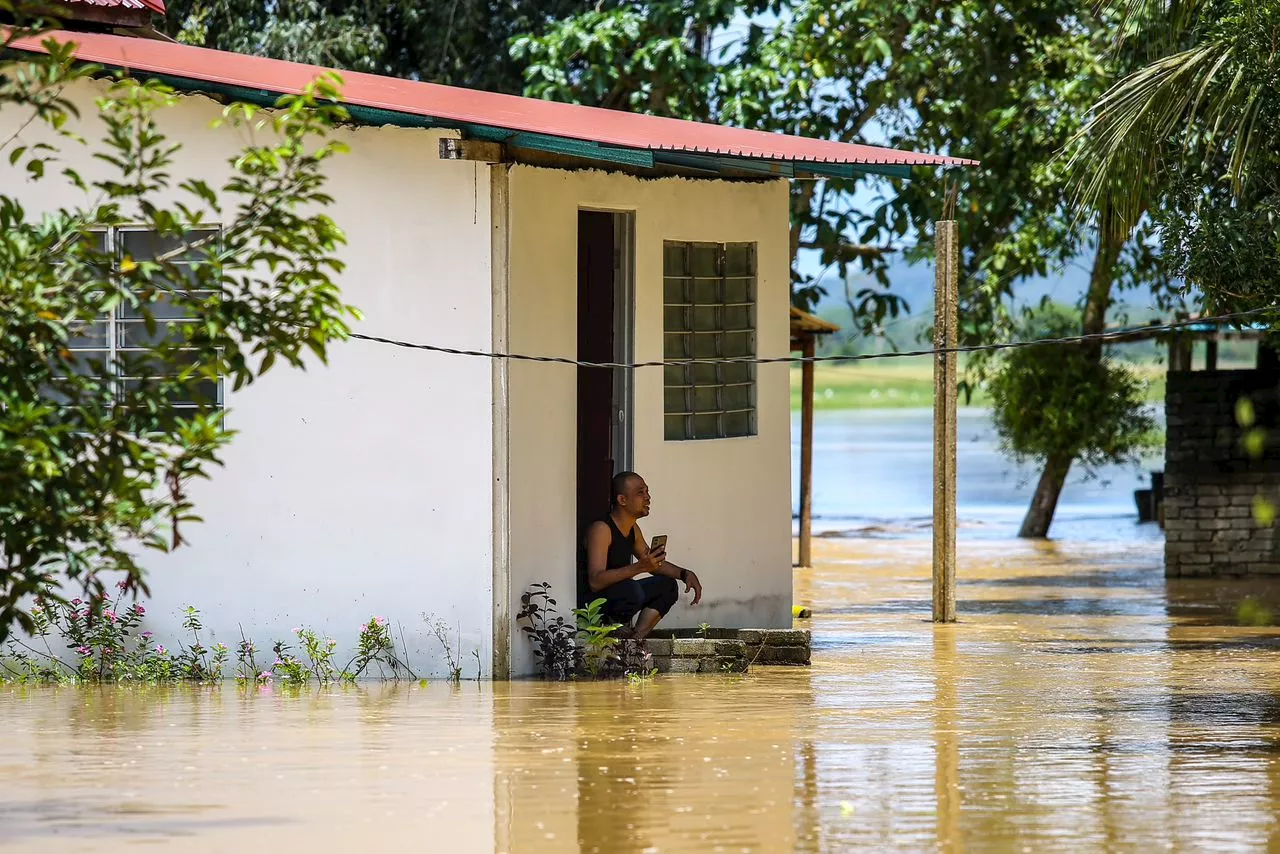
(805, 325)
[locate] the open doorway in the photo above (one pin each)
(605, 303)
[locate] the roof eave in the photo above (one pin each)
(630, 142)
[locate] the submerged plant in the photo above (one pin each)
(287, 666)
(563, 651)
(440, 629)
(599, 646)
(103, 644)
(1251, 612)
(197, 662)
(247, 669)
(554, 646)
(376, 647)
(639, 677)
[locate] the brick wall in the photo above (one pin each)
(1210, 482)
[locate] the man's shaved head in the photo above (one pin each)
(621, 485)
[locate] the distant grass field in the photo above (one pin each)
(904, 383)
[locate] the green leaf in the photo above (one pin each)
(1244, 412)
(1264, 512)
(1255, 442)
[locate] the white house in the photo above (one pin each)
(401, 482)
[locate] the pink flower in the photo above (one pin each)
(84, 650)
(297, 629)
(363, 628)
(122, 584)
(138, 609)
(277, 663)
(265, 675)
(160, 649)
(382, 621)
(77, 601)
(145, 635)
(111, 615)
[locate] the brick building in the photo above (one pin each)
(1211, 482)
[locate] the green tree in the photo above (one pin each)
(458, 42)
(759, 64)
(1009, 84)
(1053, 405)
(1198, 126)
(96, 451)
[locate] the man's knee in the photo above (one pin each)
(625, 599)
(668, 594)
(634, 596)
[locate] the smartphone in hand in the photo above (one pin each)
(659, 542)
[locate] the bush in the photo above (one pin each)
(1058, 401)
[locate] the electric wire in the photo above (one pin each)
(1116, 335)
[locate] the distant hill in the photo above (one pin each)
(914, 283)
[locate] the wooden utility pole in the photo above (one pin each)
(946, 297)
(806, 451)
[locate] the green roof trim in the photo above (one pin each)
(584, 149)
(851, 170)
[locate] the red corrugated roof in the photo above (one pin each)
(467, 106)
(156, 6)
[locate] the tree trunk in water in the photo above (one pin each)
(1045, 501)
(1098, 299)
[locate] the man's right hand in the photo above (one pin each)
(654, 559)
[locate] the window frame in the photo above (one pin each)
(118, 319)
(705, 332)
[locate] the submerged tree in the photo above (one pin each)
(208, 285)
(1055, 404)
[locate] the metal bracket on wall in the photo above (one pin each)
(478, 150)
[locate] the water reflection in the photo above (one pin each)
(1081, 703)
(946, 775)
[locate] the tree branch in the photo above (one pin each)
(845, 251)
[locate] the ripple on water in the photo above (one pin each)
(1082, 703)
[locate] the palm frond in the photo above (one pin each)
(1118, 152)
(1159, 25)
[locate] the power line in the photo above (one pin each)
(755, 360)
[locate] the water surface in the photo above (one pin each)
(1083, 703)
(873, 477)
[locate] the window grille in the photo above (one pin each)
(709, 312)
(118, 344)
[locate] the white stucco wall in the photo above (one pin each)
(725, 504)
(364, 487)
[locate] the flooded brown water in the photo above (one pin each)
(1081, 704)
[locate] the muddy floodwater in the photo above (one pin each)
(1082, 703)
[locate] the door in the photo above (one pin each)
(604, 335)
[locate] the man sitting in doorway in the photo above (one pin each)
(612, 542)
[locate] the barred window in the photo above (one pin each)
(709, 312)
(119, 345)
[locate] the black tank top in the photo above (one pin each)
(621, 551)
